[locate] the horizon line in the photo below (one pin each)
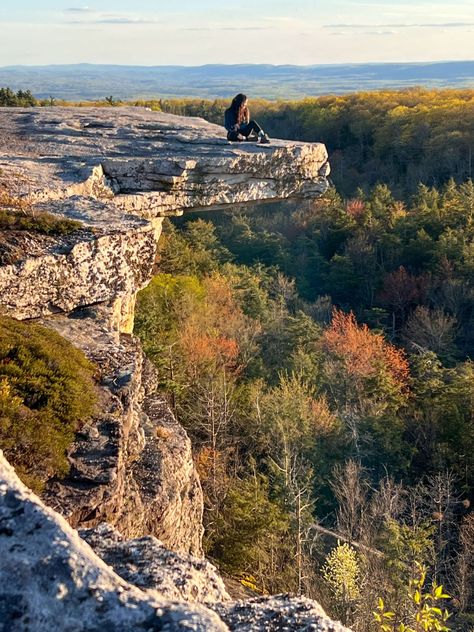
(367, 63)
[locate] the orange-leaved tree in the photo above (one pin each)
(367, 380)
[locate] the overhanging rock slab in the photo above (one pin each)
(166, 163)
(120, 171)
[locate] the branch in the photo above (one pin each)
(339, 536)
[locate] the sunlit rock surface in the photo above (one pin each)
(119, 171)
(173, 162)
(280, 613)
(146, 563)
(131, 464)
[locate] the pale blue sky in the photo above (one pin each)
(192, 32)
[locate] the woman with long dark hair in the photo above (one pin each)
(238, 124)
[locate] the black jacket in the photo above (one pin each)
(230, 121)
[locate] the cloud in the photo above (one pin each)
(113, 19)
(226, 28)
(78, 10)
(119, 20)
(430, 25)
(380, 32)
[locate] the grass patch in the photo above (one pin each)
(35, 221)
(47, 391)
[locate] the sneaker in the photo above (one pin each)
(264, 140)
(235, 138)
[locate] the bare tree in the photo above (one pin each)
(210, 408)
(387, 503)
(299, 492)
(430, 329)
(464, 570)
(351, 488)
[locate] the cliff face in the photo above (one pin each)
(131, 465)
(119, 171)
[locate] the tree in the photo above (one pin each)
(350, 487)
(464, 569)
(431, 330)
(406, 546)
(401, 291)
(292, 421)
(341, 573)
(421, 613)
(440, 418)
(366, 380)
(251, 535)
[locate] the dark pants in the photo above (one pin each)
(245, 129)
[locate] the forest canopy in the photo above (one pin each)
(320, 357)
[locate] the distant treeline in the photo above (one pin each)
(400, 137)
(22, 99)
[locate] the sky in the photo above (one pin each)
(195, 32)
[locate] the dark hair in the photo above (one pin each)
(237, 106)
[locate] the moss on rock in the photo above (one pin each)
(47, 390)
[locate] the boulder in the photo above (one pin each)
(50, 579)
(279, 613)
(147, 563)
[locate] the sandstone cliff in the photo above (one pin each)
(119, 171)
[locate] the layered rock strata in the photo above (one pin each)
(171, 162)
(113, 168)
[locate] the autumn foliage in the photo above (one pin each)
(309, 420)
(362, 351)
(210, 337)
(203, 349)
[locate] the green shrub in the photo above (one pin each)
(424, 612)
(46, 390)
(36, 221)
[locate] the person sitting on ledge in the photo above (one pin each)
(238, 124)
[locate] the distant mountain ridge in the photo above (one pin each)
(94, 81)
